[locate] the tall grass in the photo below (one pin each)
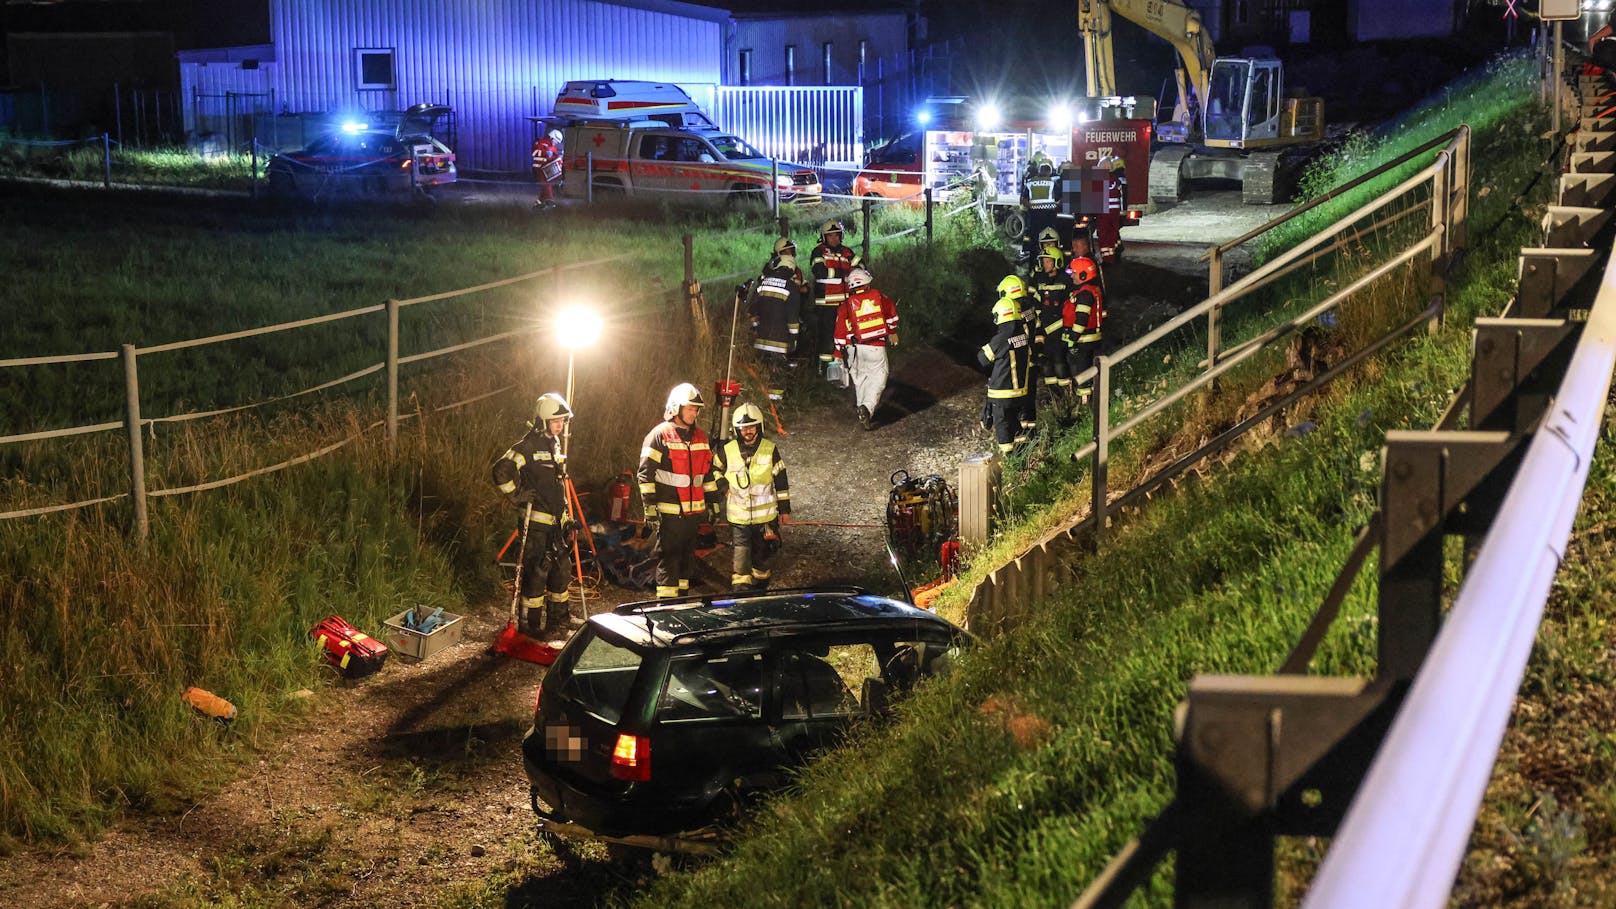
(98, 636)
(1012, 782)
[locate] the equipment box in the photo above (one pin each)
(411, 643)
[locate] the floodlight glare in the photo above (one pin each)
(577, 326)
(1060, 117)
(923, 118)
(987, 116)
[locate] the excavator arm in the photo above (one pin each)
(1170, 19)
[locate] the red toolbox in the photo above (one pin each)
(354, 653)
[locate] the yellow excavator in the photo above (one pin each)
(1232, 120)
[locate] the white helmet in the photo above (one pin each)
(548, 407)
(859, 277)
(682, 394)
(747, 415)
(555, 134)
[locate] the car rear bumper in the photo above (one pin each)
(632, 814)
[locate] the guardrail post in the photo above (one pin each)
(106, 161)
(928, 218)
(589, 178)
(392, 375)
(137, 451)
(1439, 222)
(1102, 442)
(866, 235)
(1214, 271)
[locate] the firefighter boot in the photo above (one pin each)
(558, 624)
(532, 619)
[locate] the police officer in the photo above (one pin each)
(1008, 356)
(752, 476)
(677, 487)
(1038, 199)
(774, 303)
(831, 264)
(533, 473)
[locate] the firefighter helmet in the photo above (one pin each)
(747, 415)
(784, 247)
(1052, 252)
(1084, 270)
(1048, 236)
(787, 261)
(1012, 287)
(858, 277)
(831, 227)
(555, 135)
(548, 407)
(682, 395)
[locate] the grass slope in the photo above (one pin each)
(1013, 782)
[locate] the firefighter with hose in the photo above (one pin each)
(533, 473)
(866, 324)
(677, 487)
(757, 498)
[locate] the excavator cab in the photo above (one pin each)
(1243, 102)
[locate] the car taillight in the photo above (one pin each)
(631, 758)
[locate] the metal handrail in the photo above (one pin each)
(1403, 838)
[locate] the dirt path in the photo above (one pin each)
(407, 789)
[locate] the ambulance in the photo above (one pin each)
(623, 99)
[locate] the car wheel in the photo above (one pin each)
(1014, 224)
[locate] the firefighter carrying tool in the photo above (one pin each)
(1008, 356)
(752, 475)
(677, 488)
(533, 473)
(547, 167)
(866, 324)
(831, 264)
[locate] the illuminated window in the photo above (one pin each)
(373, 68)
(746, 67)
(791, 64)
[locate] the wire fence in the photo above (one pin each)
(135, 424)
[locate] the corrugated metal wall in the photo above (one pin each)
(494, 61)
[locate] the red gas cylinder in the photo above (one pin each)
(618, 495)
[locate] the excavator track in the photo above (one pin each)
(1260, 183)
(1167, 184)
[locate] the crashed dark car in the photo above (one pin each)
(402, 157)
(661, 720)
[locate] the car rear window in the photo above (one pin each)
(722, 687)
(601, 677)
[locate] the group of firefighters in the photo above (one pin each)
(1046, 333)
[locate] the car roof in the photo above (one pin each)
(702, 620)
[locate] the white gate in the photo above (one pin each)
(818, 125)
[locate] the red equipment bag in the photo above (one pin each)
(354, 653)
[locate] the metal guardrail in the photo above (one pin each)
(1441, 186)
(1395, 767)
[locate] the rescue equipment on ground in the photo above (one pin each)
(922, 515)
(619, 497)
(425, 624)
(354, 653)
(209, 704)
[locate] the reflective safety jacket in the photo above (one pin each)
(775, 305)
(1008, 355)
(866, 317)
(676, 470)
(1088, 311)
(753, 479)
(532, 471)
(1054, 313)
(547, 160)
(830, 267)
(1040, 192)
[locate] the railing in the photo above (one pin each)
(1442, 186)
(135, 422)
(1395, 767)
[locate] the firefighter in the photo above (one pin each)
(1048, 237)
(533, 472)
(866, 324)
(752, 476)
(774, 303)
(1052, 287)
(547, 167)
(1088, 311)
(1008, 356)
(830, 264)
(677, 488)
(1037, 199)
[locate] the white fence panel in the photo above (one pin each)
(819, 124)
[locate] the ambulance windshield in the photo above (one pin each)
(734, 148)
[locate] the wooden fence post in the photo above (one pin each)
(867, 206)
(137, 452)
(392, 376)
